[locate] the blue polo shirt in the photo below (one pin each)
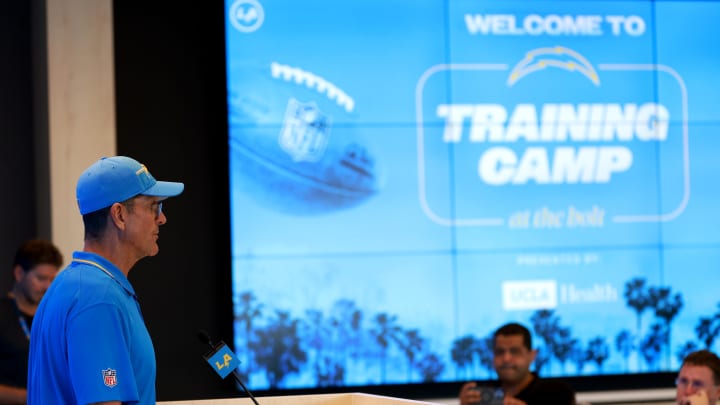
(89, 342)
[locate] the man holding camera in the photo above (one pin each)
(512, 356)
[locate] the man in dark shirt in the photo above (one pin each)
(512, 357)
(35, 266)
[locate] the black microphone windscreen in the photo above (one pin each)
(204, 337)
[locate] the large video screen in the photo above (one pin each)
(406, 176)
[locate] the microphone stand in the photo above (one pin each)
(236, 374)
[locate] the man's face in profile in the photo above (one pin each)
(511, 358)
(691, 380)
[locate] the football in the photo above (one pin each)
(295, 145)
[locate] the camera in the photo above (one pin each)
(489, 395)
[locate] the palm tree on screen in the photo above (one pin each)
(707, 330)
(331, 373)
(636, 297)
(579, 356)
(461, 354)
(598, 351)
(625, 345)
(652, 345)
(247, 310)
(541, 359)
(430, 367)
(667, 306)
(411, 343)
(346, 325)
(385, 331)
(562, 346)
(546, 325)
(315, 331)
(684, 350)
(484, 351)
(278, 349)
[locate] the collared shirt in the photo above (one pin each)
(89, 342)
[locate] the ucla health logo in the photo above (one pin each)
(529, 294)
(246, 15)
(553, 139)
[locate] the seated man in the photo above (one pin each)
(698, 382)
(36, 264)
(512, 357)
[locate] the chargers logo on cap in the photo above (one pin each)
(146, 179)
(142, 169)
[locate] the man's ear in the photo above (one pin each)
(18, 273)
(118, 215)
(533, 355)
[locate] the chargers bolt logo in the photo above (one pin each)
(559, 57)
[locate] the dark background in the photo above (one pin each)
(171, 115)
(17, 144)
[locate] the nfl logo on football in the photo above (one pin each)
(305, 131)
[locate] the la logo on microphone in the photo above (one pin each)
(222, 360)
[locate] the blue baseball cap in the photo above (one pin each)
(116, 179)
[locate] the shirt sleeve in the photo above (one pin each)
(99, 356)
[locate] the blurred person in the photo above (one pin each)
(89, 343)
(698, 381)
(35, 266)
(512, 357)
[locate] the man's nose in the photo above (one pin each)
(690, 390)
(162, 219)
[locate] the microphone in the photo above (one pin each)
(223, 361)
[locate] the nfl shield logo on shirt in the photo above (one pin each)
(109, 377)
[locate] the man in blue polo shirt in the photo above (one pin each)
(89, 343)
